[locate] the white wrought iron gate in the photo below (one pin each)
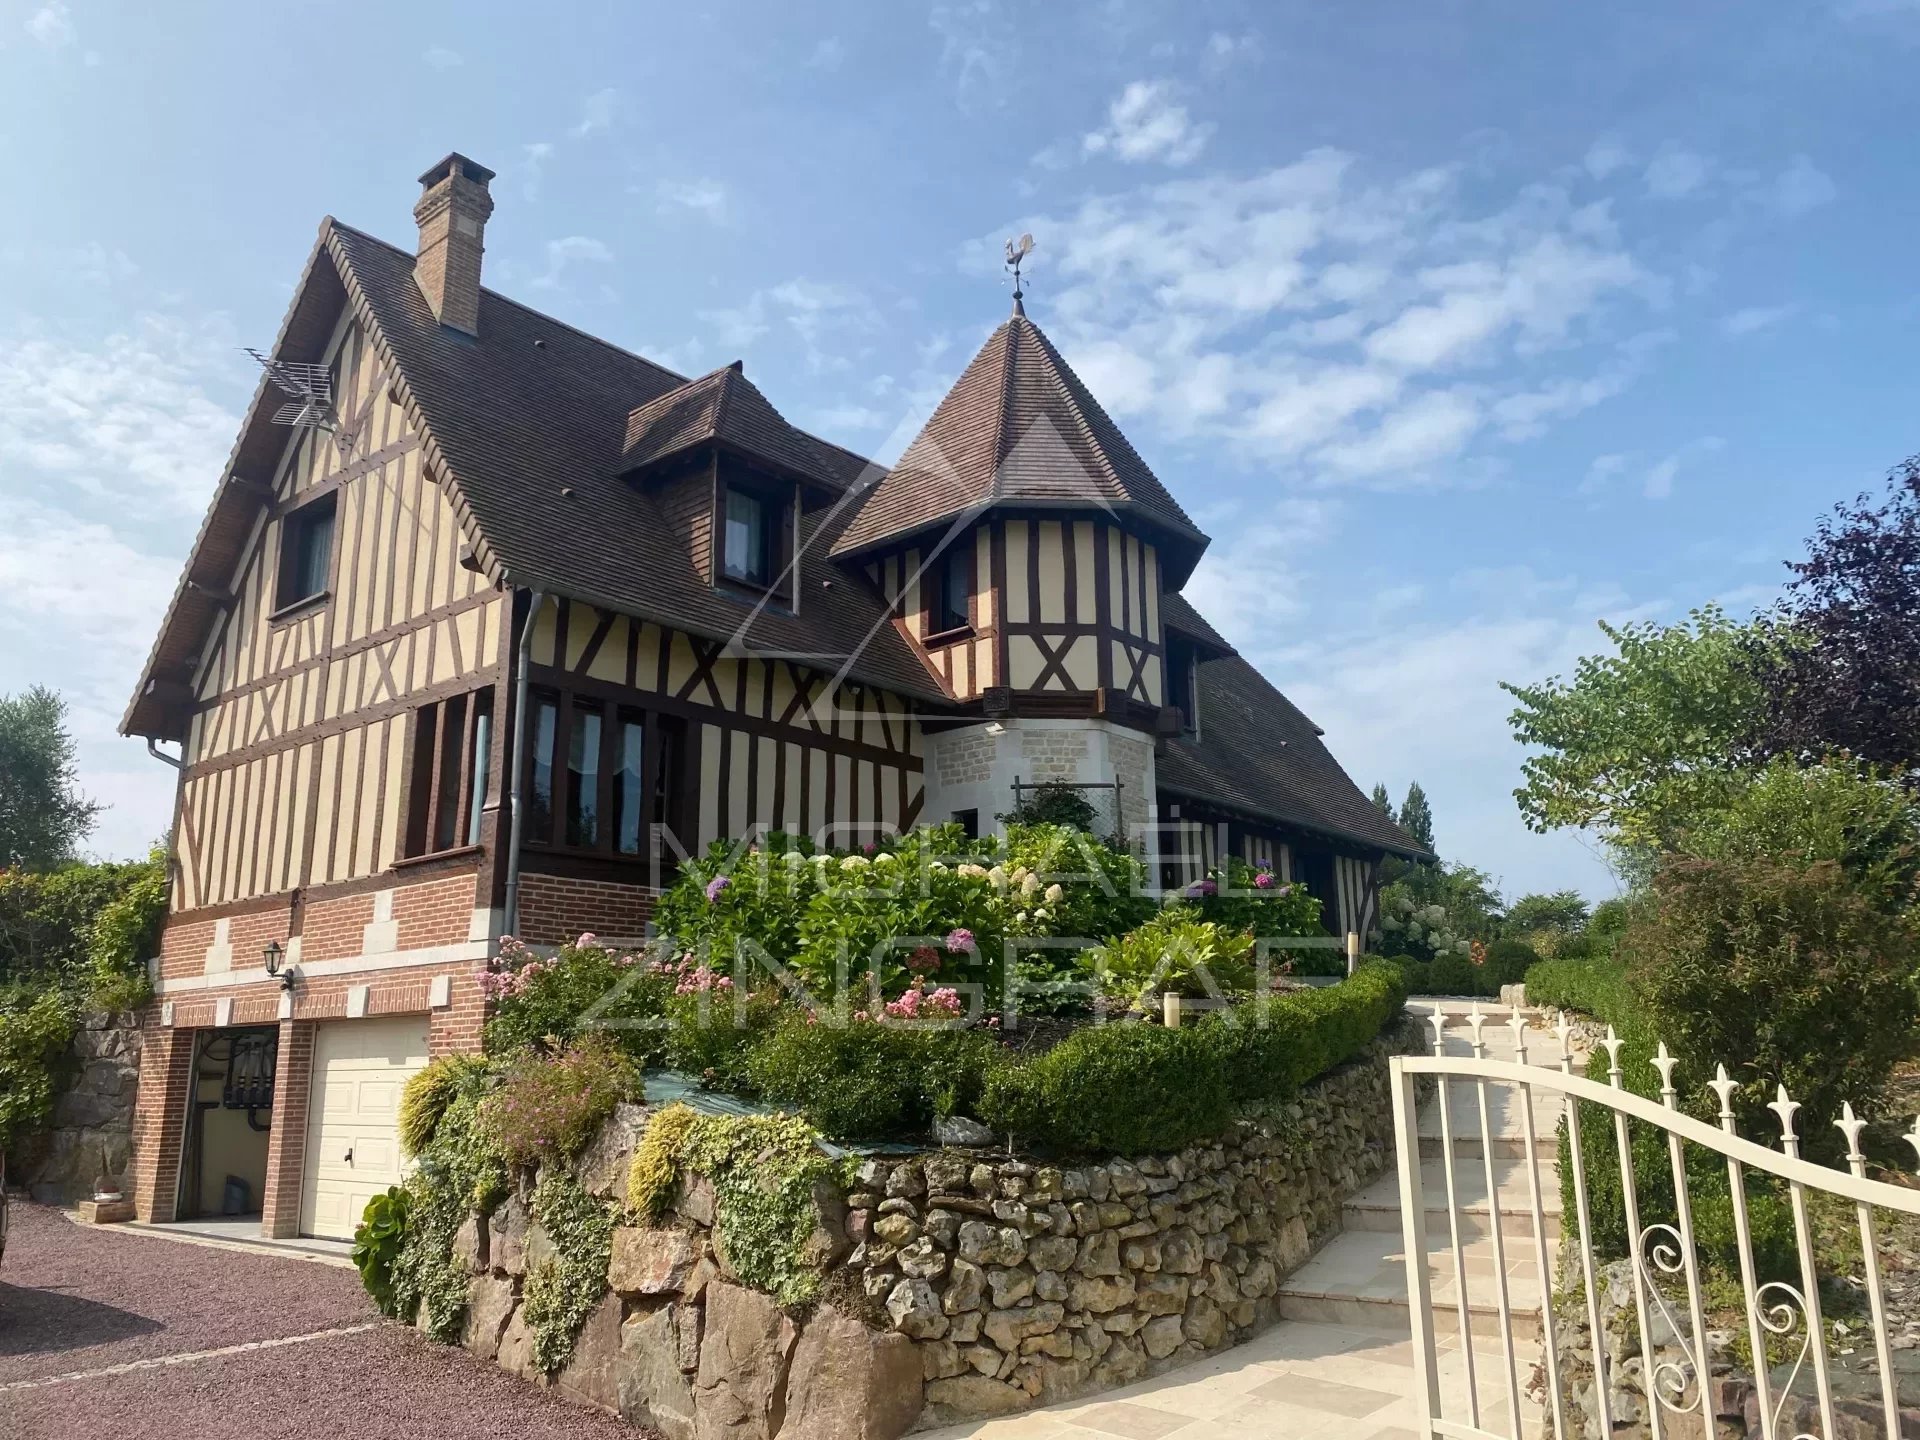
(1781, 1318)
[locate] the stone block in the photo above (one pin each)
(846, 1382)
(591, 1375)
(649, 1261)
(655, 1391)
(743, 1365)
(490, 1303)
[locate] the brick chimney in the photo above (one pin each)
(452, 212)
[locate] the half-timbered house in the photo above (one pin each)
(503, 620)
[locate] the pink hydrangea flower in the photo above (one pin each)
(1264, 880)
(959, 940)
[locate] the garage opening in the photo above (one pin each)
(223, 1170)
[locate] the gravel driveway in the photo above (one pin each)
(105, 1333)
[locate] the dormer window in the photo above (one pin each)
(950, 582)
(306, 552)
(750, 529)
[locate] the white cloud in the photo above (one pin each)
(533, 164)
(828, 53)
(1329, 327)
(597, 113)
(1223, 50)
(1676, 172)
(1146, 123)
(1801, 187)
(806, 309)
(1604, 157)
(1658, 484)
(111, 450)
(52, 25)
(567, 252)
(439, 57)
(706, 198)
(1755, 318)
(977, 49)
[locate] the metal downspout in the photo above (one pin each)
(511, 919)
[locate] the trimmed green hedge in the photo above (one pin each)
(1133, 1088)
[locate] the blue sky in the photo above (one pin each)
(1459, 326)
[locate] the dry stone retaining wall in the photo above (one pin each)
(92, 1129)
(959, 1283)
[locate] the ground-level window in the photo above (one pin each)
(447, 789)
(600, 775)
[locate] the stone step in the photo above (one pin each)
(1505, 1147)
(1360, 1278)
(1377, 1208)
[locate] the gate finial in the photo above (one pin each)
(1724, 1087)
(1785, 1107)
(1664, 1063)
(1613, 1043)
(1517, 1023)
(1850, 1125)
(1912, 1137)
(1438, 1020)
(1474, 1021)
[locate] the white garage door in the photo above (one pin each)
(353, 1140)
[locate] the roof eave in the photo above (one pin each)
(1291, 822)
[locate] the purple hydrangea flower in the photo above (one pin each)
(959, 940)
(1202, 888)
(717, 887)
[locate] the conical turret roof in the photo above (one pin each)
(1020, 429)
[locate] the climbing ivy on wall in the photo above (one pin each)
(562, 1289)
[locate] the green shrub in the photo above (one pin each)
(1507, 963)
(1052, 802)
(1174, 952)
(1239, 896)
(430, 1091)
(713, 1029)
(377, 1242)
(868, 1080)
(562, 1289)
(582, 988)
(125, 932)
(1277, 1043)
(1790, 974)
(547, 1108)
(1452, 974)
(725, 897)
(459, 1173)
(35, 1033)
(1124, 1089)
(86, 929)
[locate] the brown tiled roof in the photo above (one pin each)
(1177, 613)
(531, 438)
(1258, 754)
(727, 409)
(1018, 428)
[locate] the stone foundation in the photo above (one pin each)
(959, 1283)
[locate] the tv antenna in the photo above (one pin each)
(1017, 252)
(309, 392)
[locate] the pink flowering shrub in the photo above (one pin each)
(548, 1106)
(1239, 896)
(544, 1002)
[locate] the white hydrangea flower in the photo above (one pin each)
(1055, 894)
(854, 862)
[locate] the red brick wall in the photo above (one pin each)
(336, 929)
(159, 1119)
(287, 1141)
(457, 1028)
(555, 909)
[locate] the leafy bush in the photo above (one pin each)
(430, 1091)
(1834, 810)
(868, 1080)
(725, 897)
(1507, 963)
(1240, 896)
(377, 1242)
(547, 1108)
(562, 1289)
(87, 929)
(1791, 975)
(1455, 974)
(35, 1031)
(1131, 1088)
(1272, 1046)
(1124, 1088)
(459, 1173)
(1174, 952)
(713, 1028)
(1052, 802)
(899, 914)
(585, 987)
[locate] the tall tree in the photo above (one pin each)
(1840, 655)
(1641, 742)
(1382, 801)
(1562, 910)
(43, 815)
(1416, 816)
